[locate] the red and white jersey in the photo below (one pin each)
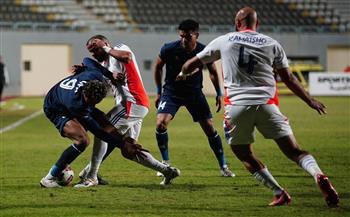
(248, 59)
(131, 89)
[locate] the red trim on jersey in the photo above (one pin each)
(135, 85)
(128, 108)
(227, 124)
(226, 98)
(275, 99)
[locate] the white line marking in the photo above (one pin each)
(21, 121)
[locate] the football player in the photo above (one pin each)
(188, 93)
(70, 106)
(131, 106)
(248, 59)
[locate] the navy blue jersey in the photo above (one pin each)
(65, 101)
(67, 95)
(174, 56)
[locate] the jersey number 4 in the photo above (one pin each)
(243, 63)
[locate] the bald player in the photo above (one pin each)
(248, 60)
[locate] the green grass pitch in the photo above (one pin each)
(27, 153)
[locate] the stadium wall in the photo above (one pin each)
(145, 46)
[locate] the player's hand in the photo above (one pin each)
(181, 77)
(318, 106)
(218, 103)
(76, 69)
(99, 43)
(118, 76)
(91, 46)
(157, 100)
(132, 151)
(96, 44)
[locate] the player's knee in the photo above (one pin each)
(111, 130)
(242, 154)
(211, 132)
(161, 126)
(82, 142)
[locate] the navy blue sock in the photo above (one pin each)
(112, 146)
(216, 145)
(67, 157)
(162, 141)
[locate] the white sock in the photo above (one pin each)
(87, 168)
(150, 162)
(265, 177)
(309, 164)
(99, 150)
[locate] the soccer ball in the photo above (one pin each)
(67, 176)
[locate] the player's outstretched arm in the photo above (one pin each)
(214, 77)
(294, 85)
(190, 67)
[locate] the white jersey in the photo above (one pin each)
(247, 58)
(131, 89)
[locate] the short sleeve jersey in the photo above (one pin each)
(67, 95)
(174, 56)
(248, 59)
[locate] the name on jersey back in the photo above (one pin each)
(248, 39)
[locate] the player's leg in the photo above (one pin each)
(245, 154)
(167, 109)
(239, 124)
(216, 145)
(117, 116)
(101, 149)
(198, 107)
(163, 119)
(291, 149)
(147, 160)
(73, 130)
(274, 125)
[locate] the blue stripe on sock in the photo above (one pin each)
(55, 171)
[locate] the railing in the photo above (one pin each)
(29, 26)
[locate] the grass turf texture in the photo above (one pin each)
(27, 152)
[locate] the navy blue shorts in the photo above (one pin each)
(196, 104)
(58, 117)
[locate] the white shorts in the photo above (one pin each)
(240, 123)
(128, 121)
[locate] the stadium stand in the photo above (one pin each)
(35, 13)
(109, 11)
(314, 15)
(163, 15)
